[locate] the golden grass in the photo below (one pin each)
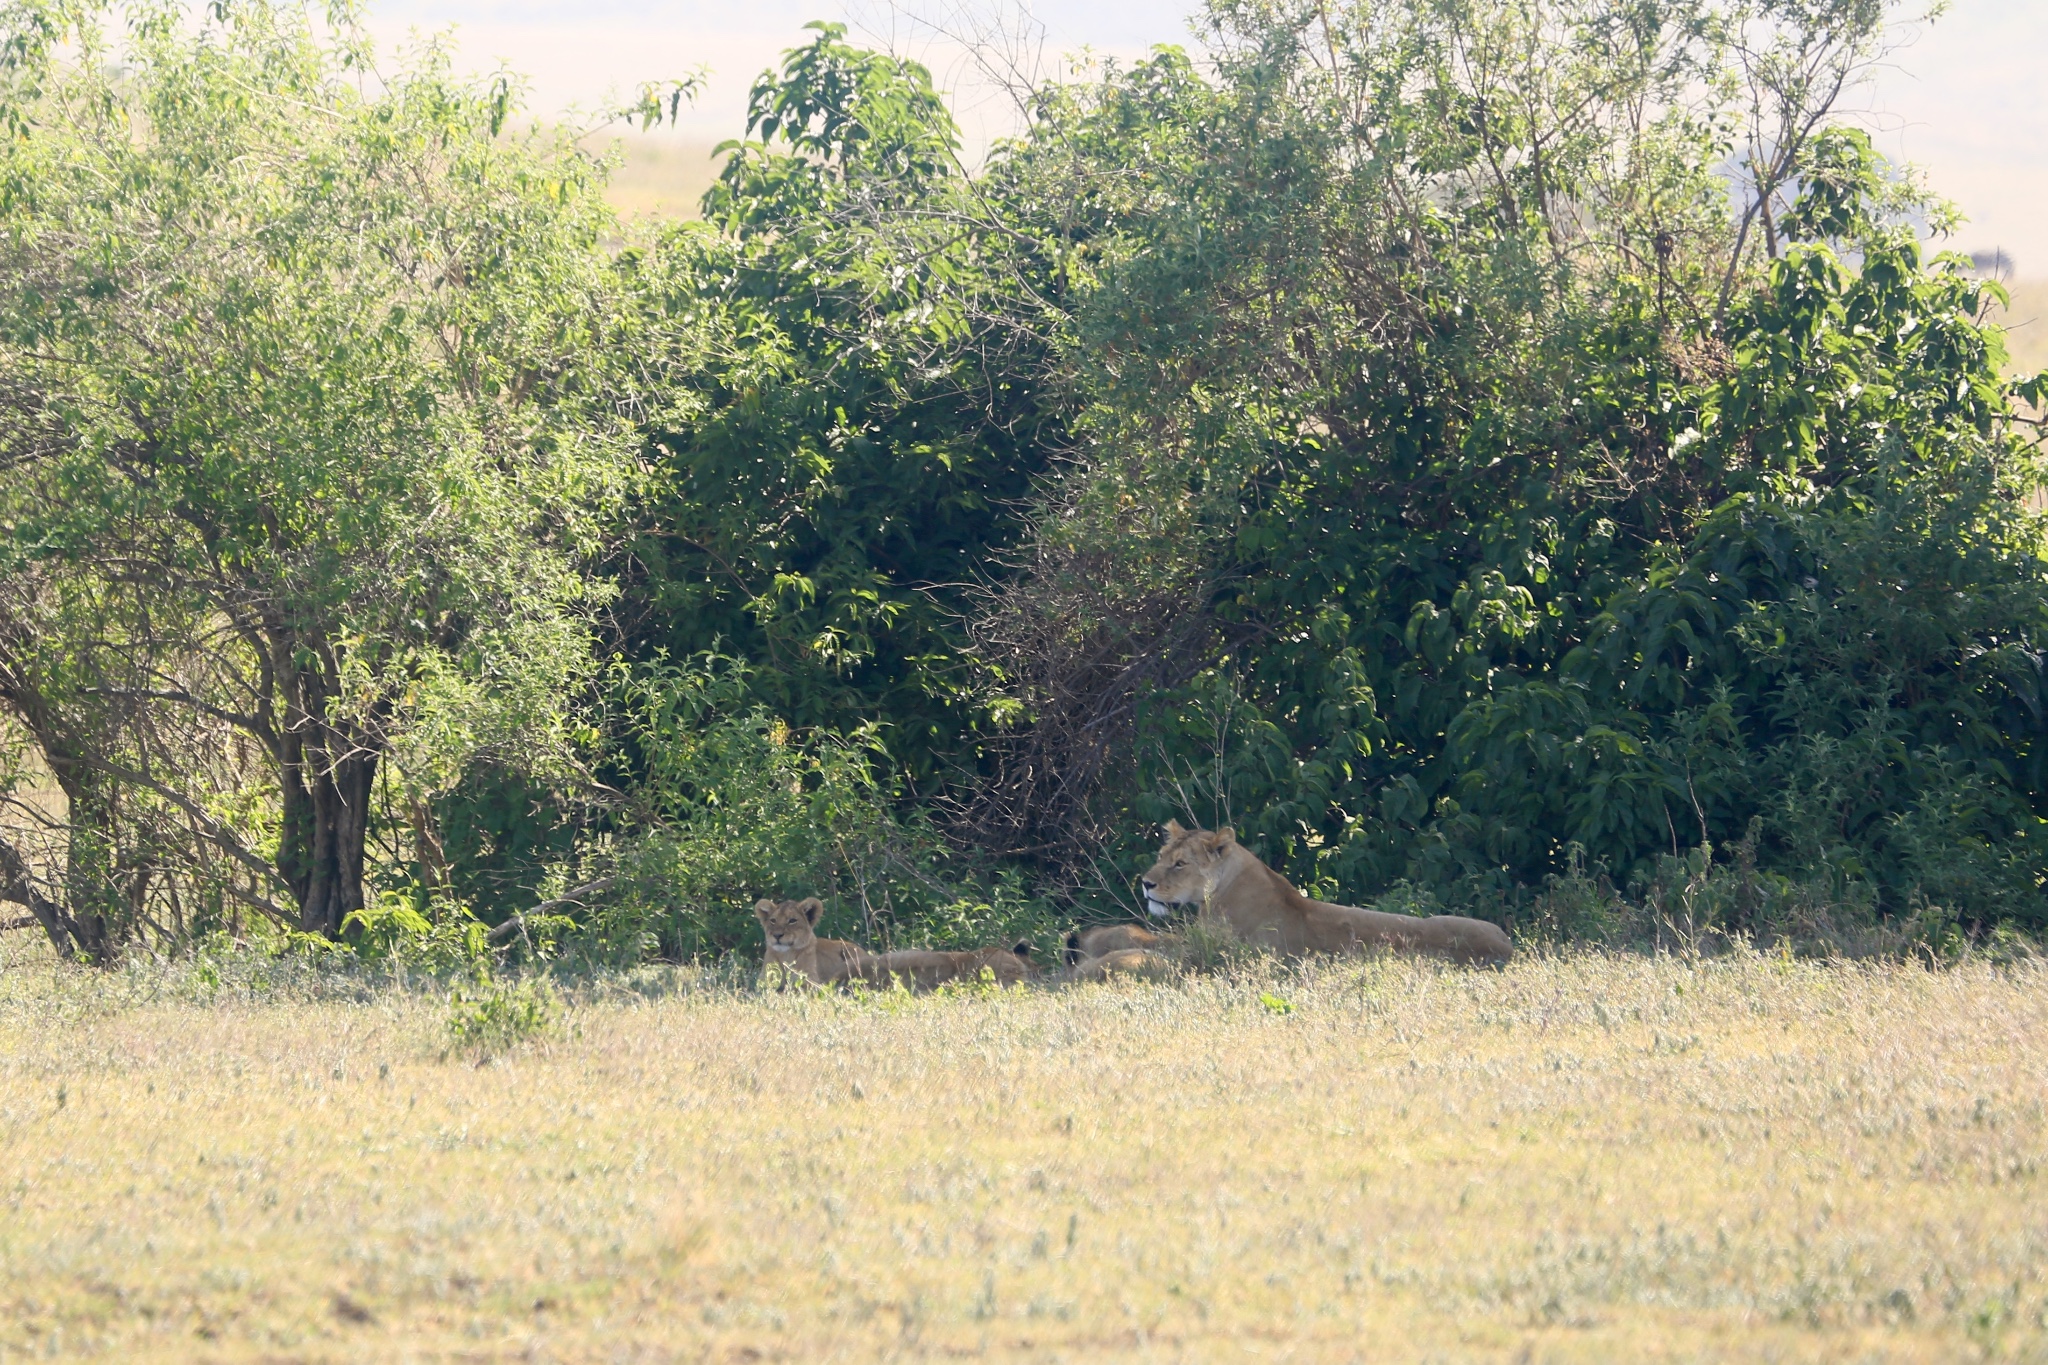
(1589, 1158)
(661, 177)
(2026, 339)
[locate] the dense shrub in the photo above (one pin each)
(1500, 458)
(724, 802)
(1440, 525)
(853, 448)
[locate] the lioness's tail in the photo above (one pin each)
(1072, 956)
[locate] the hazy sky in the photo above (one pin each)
(1964, 99)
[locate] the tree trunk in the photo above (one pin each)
(428, 849)
(325, 837)
(91, 853)
(327, 772)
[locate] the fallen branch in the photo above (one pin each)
(572, 896)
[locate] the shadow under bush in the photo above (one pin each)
(728, 803)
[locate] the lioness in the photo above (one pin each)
(923, 968)
(790, 929)
(1103, 939)
(1211, 869)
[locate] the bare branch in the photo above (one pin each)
(571, 897)
(216, 833)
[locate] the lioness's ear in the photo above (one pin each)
(1022, 950)
(1173, 829)
(812, 908)
(1225, 837)
(763, 908)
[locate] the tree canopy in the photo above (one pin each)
(310, 435)
(1463, 444)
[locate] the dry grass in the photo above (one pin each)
(1589, 1158)
(662, 177)
(2027, 319)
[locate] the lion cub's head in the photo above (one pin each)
(1186, 867)
(789, 926)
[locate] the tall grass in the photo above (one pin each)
(2026, 321)
(1587, 1157)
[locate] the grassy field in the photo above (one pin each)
(1588, 1158)
(662, 175)
(2027, 321)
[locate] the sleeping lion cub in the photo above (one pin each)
(1141, 964)
(923, 968)
(1105, 951)
(791, 945)
(1100, 940)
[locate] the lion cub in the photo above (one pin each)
(1100, 940)
(1103, 951)
(790, 929)
(792, 945)
(1140, 963)
(923, 968)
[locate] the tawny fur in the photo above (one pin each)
(1210, 869)
(1103, 939)
(789, 929)
(924, 968)
(1141, 963)
(790, 932)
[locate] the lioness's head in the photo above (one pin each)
(789, 926)
(1186, 868)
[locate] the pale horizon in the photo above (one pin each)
(1959, 100)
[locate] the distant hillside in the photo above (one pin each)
(664, 176)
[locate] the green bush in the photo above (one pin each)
(1397, 435)
(489, 1015)
(393, 931)
(726, 803)
(1432, 526)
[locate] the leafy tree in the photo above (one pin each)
(866, 425)
(1458, 442)
(1474, 478)
(307, 426)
